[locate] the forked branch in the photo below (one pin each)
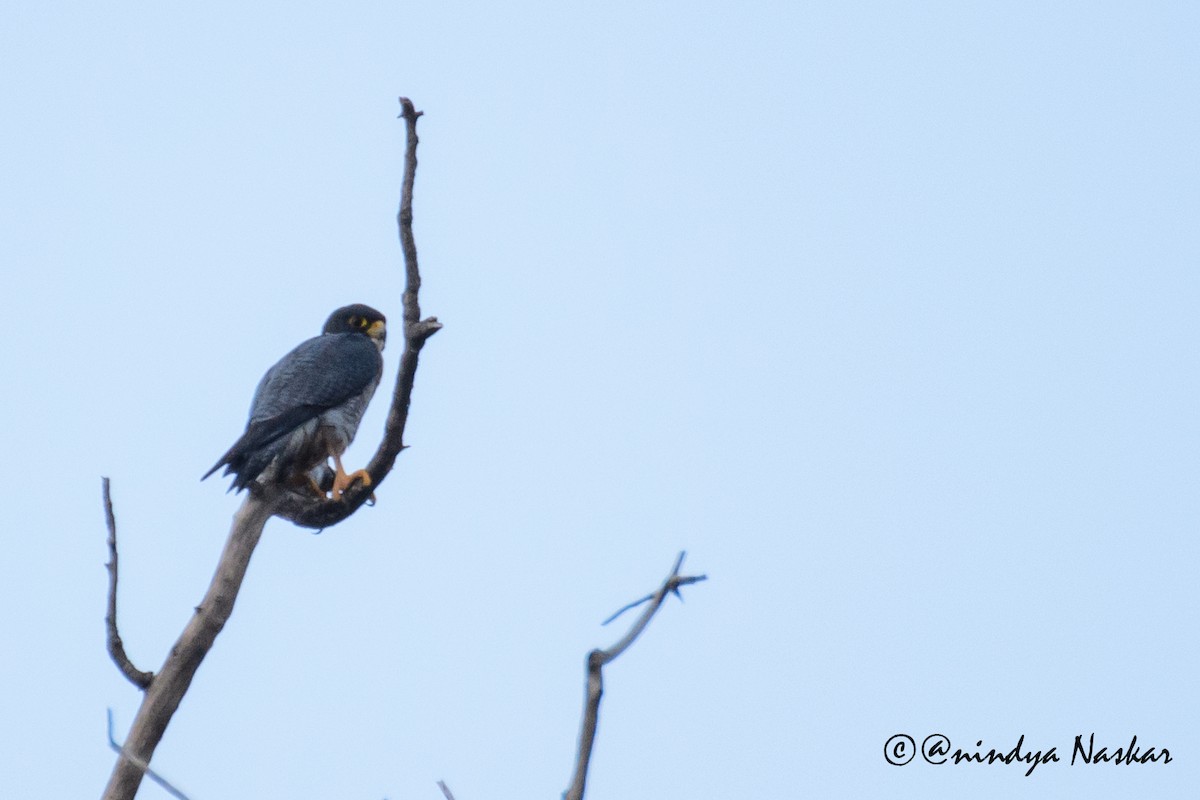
(164, 691)
(594, 682)
(167, 689)
(309, 512)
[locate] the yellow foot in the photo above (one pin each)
(342, 482)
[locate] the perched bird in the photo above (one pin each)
(308, 406)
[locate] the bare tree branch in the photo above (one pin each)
(166, 690)
(116, 648)
(163, 696)
(142, 765)
(445, 790)
(594, 682)
(303, 508)
(647, 598)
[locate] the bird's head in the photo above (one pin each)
(358, 318)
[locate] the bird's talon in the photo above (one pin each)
(343, 482)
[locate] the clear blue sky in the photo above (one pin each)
(887, 313)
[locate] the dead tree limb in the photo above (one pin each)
(302, 508)
(116, 648)
(142, 765)
(166, 689)
(594, 681)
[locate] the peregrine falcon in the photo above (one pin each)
(308, 406)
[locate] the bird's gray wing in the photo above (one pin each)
(319, 374)
(322, 372)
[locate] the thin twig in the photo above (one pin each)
(649, 597)
(142, 765)
(445, 790)
(596, 659)
(303, 509)
(116, 648)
